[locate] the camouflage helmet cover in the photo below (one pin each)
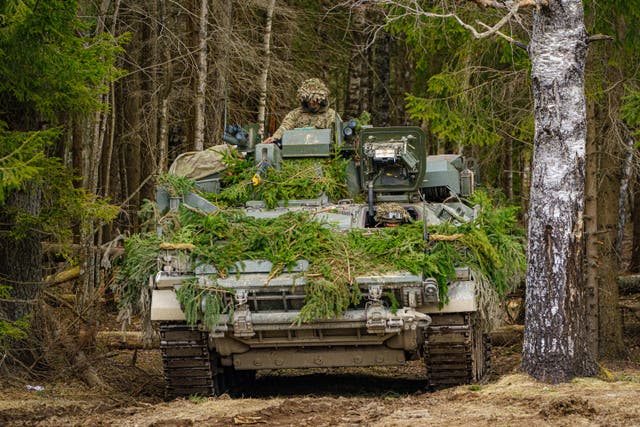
(313, 90)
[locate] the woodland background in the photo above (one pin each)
(98, 97)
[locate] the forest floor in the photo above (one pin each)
(134, 390)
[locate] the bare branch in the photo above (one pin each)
(509, 4)
(504, 36)
(413, 9)
(599, 37)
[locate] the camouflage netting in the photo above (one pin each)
(200, 164)
(391, 213)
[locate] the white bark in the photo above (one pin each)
(555, 347)
(201, 85)
(265, 68)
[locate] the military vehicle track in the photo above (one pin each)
(191, 368)
(456, 352)
(186, 361)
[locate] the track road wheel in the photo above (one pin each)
(227, 379)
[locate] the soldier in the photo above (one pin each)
(313, 112)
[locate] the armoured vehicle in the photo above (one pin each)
(400, 183)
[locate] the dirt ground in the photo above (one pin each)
(379, 397)
(133, 396)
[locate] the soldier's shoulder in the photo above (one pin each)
(330, 113)
(297, 111)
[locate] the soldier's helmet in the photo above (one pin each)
(313, 90)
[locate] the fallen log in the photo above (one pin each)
(630, 309)
(127, 340)
(508, 335)
(63, 276)
(629, 284)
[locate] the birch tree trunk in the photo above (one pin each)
(555, 347)
(201, 85)
(266, 42)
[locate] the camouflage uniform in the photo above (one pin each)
(301, 117)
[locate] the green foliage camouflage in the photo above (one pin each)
(492, 245)
(297, 179)
(203, 304)
(141, 261)
(176, 185)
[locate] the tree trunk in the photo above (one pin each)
(266, 43)
(108, 155)
(356, 64)
(132, 144)
(629, 143)
(555, 341)
(380, 113)
(222, 65)
(507, 178)
(591, 228)
(404, 75)
(635, 214)
(525, 184)
(20, 258)
(201, 79)
(151, 87)
(165, 90)
(609, 331)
